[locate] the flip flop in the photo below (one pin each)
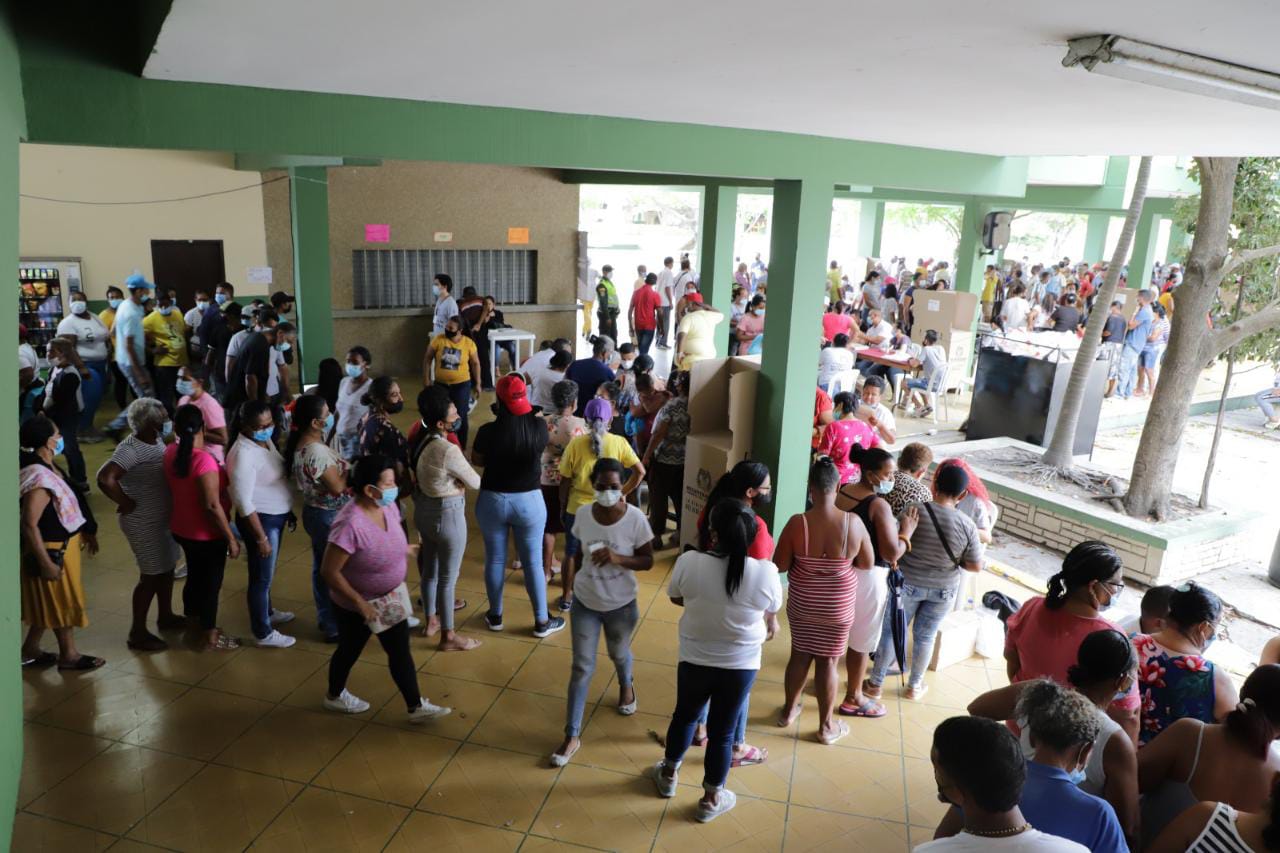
(753, 755)
(40, 661)
(82, 663)
(787, 718)
(870, 709)
(700, 741)
(458, 603)
(842, 729)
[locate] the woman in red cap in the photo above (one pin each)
(510, 451)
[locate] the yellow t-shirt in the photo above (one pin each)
(698, 328)
(1166, 300)
(989, 288)
(169, 334)
(578, 460)
(453, 359)
(108, 318)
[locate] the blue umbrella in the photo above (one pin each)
(897, 622)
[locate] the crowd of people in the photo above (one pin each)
(1109, 736)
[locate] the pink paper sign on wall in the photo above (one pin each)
(377, 233)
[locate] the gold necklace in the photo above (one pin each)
(999, 833)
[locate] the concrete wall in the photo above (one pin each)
(115, 240)
(417, 199)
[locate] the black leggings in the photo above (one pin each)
(353, 634)
(206, 562)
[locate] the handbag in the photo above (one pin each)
(390, 609)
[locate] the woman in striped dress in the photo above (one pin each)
(822, 550)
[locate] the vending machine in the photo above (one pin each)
(44, 286)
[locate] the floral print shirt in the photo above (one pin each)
(1172, 686)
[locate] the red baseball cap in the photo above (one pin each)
(513, 394)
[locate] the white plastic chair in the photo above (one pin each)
(845, 380)
(938, 389)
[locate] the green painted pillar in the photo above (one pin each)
(789, 367)
(971, 259)
(12, 129)
(715, 272)
(1144, 249)
(870, 228)
(1178, 244)
(309, 211)
(1095, 237)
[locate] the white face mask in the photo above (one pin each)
(608, 497)
(627, 362)
(79, 307)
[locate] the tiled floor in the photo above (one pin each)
(183, 750)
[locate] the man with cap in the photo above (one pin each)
(607, 308)
(131, 345)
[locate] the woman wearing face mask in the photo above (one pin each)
(1234, 763)
(664, 459)
(364, 570)
(260, 494)
(453, 361)
(440, 514)
(751, 326)
(845, 434)
(618, 544)
(563, 426)
(133, 478)
(321, 476)
(64, 402)
(1042, 638)
(1175, 678)
(56, 523)
(379, 436)
(193, 386)
(890, 539)
(91, 339)
(682, 304)
(351, 409)
(1105, 668)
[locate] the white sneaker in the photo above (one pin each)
(346, 703)
(427, 711)
(276, 640)
(414, 622)
(180, 572)
(280, 617)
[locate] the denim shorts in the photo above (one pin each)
(571, 544)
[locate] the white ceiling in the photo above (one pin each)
(969, 75)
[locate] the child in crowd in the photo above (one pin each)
(1153, 613)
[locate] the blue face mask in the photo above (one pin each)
(114, 303)
(57, 448)
(284, 347)
(884, 487)
(220, 298)
(167, 429)
(354, 370)
(389, 496)
(166, 310)
(1077, 776)
(185, 387)
(201, 305)
(328, 422)
(262, 434)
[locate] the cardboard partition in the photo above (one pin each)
(722, 398)
(943, 310)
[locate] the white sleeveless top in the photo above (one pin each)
(1095, 777)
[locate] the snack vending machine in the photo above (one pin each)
(44, 285)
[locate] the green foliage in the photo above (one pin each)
(924, 215)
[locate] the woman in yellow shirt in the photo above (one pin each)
(452, 360)
(579, 458)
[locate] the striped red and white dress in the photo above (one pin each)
(820, 596)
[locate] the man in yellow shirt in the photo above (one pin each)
(833, 282)
(456, 364)
(989, 282)
(166, 334)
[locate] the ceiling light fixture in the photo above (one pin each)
(1128, 59)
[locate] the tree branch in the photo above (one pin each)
(1244, 256)
(1266, 317)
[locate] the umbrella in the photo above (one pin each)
(897, 622)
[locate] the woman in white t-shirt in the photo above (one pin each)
(730, 602)
(350, 408)
(616, 543)
(1014, 312)
(833, 361)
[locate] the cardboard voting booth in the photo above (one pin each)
(722, 401)
(951, 313)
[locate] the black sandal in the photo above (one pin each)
(83, 663)
(40, 661)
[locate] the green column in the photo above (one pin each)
(870, 228)
(715, 273)
(1095, 237)
(1178, 244)
(789, 368)
(1144, 249)
(971, 260)
(309, 210)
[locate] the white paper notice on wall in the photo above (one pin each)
(444, 236)
(259, 275)
(934, 305)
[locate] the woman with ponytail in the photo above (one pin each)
(844, 434)
(1232, 762)
(730, 602)
(1044, 636)
(198, 521)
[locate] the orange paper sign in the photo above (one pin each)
(518, 236)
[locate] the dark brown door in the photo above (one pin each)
(187, 266)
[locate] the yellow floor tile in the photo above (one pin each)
(49, 755)
(656, 642)
(46, 687)
(624, 744)
(221, 809)
(470, 701)
(269, 674)
(495, 662)
(851, 781)
(753, 826)
(548, 670)
(491, 786)
(924, 809)
(34, 834)
(199, 724)
(523, 722)
(178, 663)
(112, 707)
(811, 830)
(128, 845)
(432, 833)
(319, 821)
(388, 764)
(292, 743)
(588, 805)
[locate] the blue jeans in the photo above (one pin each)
(1128, 371)
(261, 569)
(91, 391)
(586, 623)
(1267, 401)
(442, 524)
(726, 690)
(740, 727)
(918, 384)
(925, 608)
(316, 522)
(460, 395)
(121, 421)
(644, 340)
(525, 515)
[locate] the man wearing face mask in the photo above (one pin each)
(214, 315)
(248, 377)
(166, 334)
(91, 337)
(446, 305)
(453, 361)
(131, 345)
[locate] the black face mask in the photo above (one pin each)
(395, 408)
(762, 497)
(453, 336)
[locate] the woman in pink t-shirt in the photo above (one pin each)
(198, 521)
(842, 434)
(364, 562)
(836, 322)
(1043, 638)
(193, 384)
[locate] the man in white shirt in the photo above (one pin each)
(875, 413)
(1016, 310)
(666, 290)
(834, 360)
(192, 318)
(879, 330)
(543, 376)
(446, 305)
(932, 359)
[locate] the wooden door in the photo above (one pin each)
(187, 266)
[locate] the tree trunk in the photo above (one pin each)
(1222, 407)
(1151, 482)
(1064, 433)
